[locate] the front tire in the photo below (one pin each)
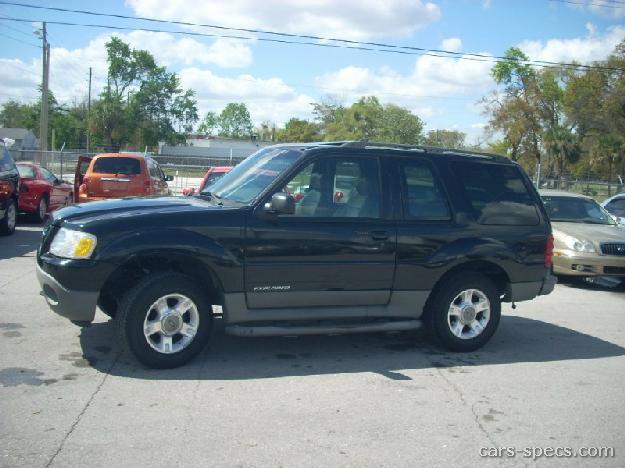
(165, 320)
(464, 312)
(42, 210)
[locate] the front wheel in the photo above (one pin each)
(464, 312)
(165, 320)
(42, 209)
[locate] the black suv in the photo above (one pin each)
(303, 239)
(9, 190)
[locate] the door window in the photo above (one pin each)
(338, 188)
(47, 175)
(422, 196)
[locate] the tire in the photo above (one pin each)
(138, 309)
(450, 311)
(7, 223)
(42, 210)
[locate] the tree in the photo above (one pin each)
(446, 138)
(235, 121)
(209, 124)
(142, 103)
(297, 130)
(563, 146)
(368, 119)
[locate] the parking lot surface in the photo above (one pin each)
(552, 376)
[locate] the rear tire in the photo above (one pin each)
(175, 310)
(8, 222)
(464, 312)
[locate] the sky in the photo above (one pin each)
(278, 81)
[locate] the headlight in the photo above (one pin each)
(579, 245)
(68, 243)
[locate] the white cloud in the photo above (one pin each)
(351, 19)
(452, 44)
(584, 50)
(69, 69)
(266, 99)
(604, 8)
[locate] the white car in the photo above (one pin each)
(616, 207)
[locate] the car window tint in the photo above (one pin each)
(26, 171)
(341, 188)
(496, 194)
(47, 174)
(617, 207)
(422, 196)
(153, 169)
(6, 161)
(117, 165)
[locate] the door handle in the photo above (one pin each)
(379, 235)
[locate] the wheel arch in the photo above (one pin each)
(139, 266)
(490, 270)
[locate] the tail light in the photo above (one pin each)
(549, 251)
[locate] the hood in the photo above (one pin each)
(129, 207)
(596, 233)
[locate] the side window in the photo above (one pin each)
(339, 188)
(422, 196)
(47, 175)
(497, 194)
(6, 161)
(617, 207)
(153, 169)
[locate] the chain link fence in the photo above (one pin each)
(187, 171)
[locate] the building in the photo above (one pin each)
(203, 146)
(24, 140)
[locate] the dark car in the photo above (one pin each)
(9, 191)
(419, 235)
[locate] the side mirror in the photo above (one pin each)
(281, 203)
(169, 178)
(57, 182)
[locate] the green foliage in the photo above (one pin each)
(446, 138)
(235, 121)
(209, 124)
(300, 131)
(142, 103)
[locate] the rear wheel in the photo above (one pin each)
(42, 209)
(7, 224)
(165, 320)
(464, 312)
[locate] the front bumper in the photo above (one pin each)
(78, 306)
(571, 263)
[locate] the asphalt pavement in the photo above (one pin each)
(553, 376)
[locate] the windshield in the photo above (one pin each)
(576, 210)
(247, 180)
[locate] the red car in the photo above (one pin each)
(41, 191)
(212, 175)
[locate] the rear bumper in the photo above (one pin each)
(527, 291)
(78, 306)
(588, 265)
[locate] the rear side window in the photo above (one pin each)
(26, 172)
(422, 196)
(116, 165)
(497, 194)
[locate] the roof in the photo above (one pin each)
(14, 133)
(121, 155)
(562, 193)
(368, 145)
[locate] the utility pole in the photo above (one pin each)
(89, 112)
(43, 118)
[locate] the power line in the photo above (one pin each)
(19, 40)
(349, 44)
(615, 5)
(21, 31)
